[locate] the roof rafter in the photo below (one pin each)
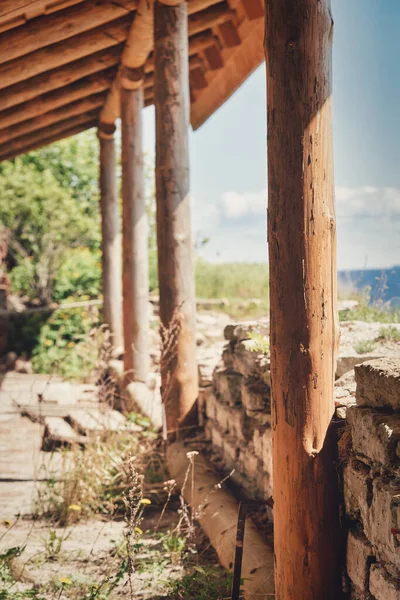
(72, 109)
(61, 77)
(93, 84)
(51, 136)
(62, 53)
(61, 26)
(14, 13)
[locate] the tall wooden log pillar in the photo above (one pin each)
(135, 236)
(111, 236)
(302, 259)
(175, 263)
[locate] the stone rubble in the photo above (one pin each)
(372, 482)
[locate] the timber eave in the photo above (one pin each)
(61, 58)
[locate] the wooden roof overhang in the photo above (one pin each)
(61, 62)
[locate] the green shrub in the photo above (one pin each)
(369, 311)
(79, 275)
(66, 343)
(390, 333)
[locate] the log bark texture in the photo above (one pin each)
(135, 239)
(217, 511)
(175, 264)
(64, 52)
(111, 241)
(302, 258)
(58, 78)
(61, 25)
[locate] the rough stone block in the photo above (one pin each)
(382, 525)
(357, 485)
(222, 416)
(374, 434)
(347, 361)
(210, 403)
(231, 453)
(245, 358)
(378, 383)
(228, 386)
(238, 332)
(255, 396)
(381, 585)
(359, 555)
(258, 443)
(227, 356)
(249, 464)
(217, 437)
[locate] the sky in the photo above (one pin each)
(228, 153)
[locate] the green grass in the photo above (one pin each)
(365, 346)
(243, 281)
(390, 333)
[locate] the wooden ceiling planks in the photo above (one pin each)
(14, 13)
(60, 77)
(49, 137)
(72, 109)
(66, 72)
(63, 53)
(61, 26)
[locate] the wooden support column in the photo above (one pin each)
(110, 237)
(175, 264)
(135, 238)
(302, 260)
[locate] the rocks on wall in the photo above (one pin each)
(372, 482)
(236, 412)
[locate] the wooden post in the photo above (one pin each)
(111, 237)
(302, 259)
(135, 239)
(175, 265)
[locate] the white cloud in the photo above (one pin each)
(368, 201)
(236, 204)
(205, 216)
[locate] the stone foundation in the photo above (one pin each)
(235, 411)
(372, 483)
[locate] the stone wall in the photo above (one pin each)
(372, 483)
(235, 412)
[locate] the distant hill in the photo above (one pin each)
(384, 283)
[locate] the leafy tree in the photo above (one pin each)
(49, 203)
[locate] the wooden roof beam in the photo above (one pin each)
(203, 15)
(48, 135)
(10, 134)
(58, 78)
(52, 100)
(61, 26)
(63, 53)
(14, 13)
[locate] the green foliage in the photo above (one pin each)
(202, 583)
(79, 276)
(24, 331)
(64, 343)
(52, 544)
(260, 343)
(233, 280)
(49, 203)
(8, 590)
(364, 346)
(390, 333)
(369, 311)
